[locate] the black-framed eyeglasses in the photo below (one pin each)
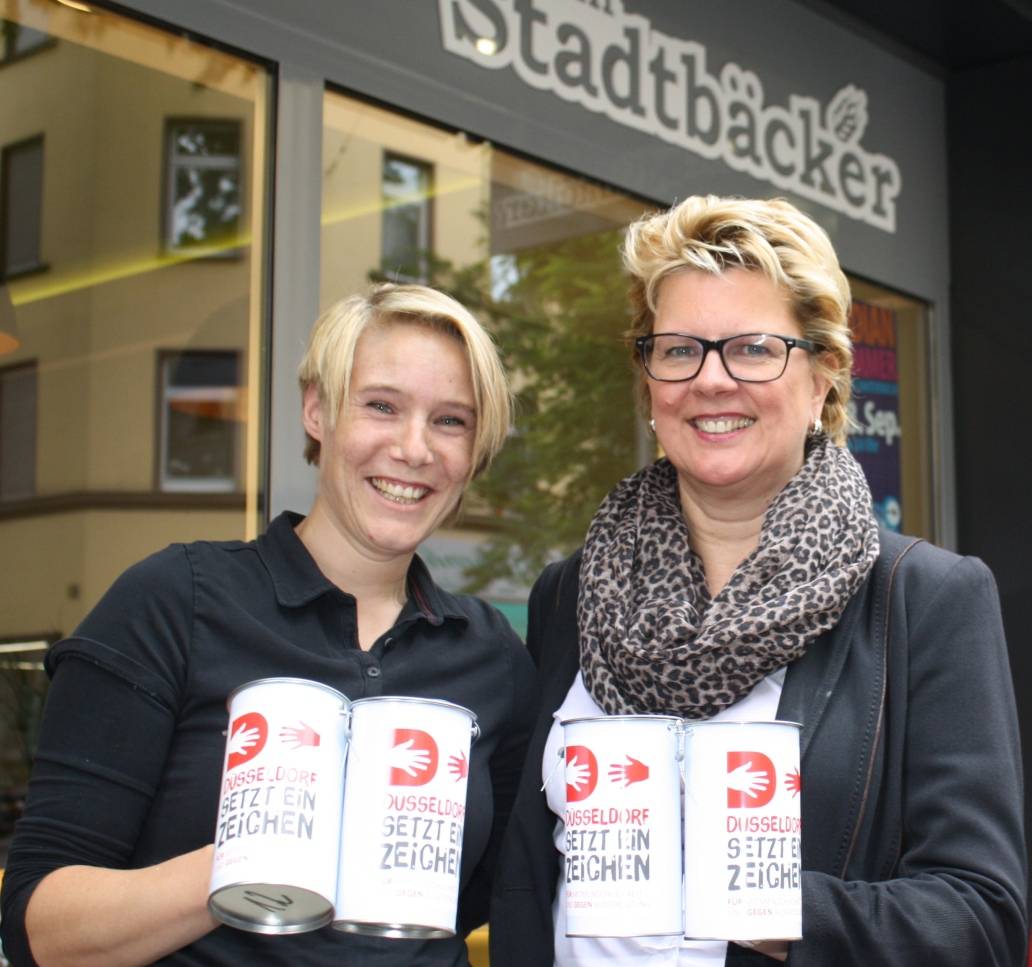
(752, 357)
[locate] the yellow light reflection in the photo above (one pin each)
(376, 205)
(56, 284)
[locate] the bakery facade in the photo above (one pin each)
(184, 187)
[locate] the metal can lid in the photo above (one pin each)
(634, 717)
(287, 681)
(393, 930)
(270, 908)
(418, 701)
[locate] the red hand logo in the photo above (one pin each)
(631, 771)
(750, 780)
(413, 759)
(247, 737)
(794, 782)
(299, 735)
(458, 766)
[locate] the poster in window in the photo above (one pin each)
(875, 436)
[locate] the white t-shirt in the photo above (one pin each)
(761, 704)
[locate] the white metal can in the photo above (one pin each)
(743, 831)
(404, 815)
(623, 826)
(278, 829)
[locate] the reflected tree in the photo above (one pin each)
(23, 688)
(559, 314)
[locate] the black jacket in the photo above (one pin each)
(913, 849)
(130, 755)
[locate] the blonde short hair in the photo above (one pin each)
(714, 234)
(330, 357)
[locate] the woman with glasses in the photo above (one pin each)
(404, 401)
(743, 577)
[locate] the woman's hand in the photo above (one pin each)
(85, 915)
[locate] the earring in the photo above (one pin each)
(817, 428)
(652, 426)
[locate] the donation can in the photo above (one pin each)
(742, 831)
(404, 816)
(278, 828)
(623, 826)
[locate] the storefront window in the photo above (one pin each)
(132, 174)
(890, 409)
(535, 254)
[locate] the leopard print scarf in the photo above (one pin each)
(652, 639)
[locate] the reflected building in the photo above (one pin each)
(132, 171)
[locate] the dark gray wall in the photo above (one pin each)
(990, 147)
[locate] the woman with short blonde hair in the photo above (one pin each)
(403, 401)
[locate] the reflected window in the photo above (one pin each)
(21, 207)
(17, 40)
(202, 207)
(406, 218)
(200, 405)
(18, 431)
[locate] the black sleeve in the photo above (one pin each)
(957, 895)
(506, 766)
(547, 613)
(108, 721)
(525, 883)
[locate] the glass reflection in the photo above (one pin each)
(534, 253)
(131, 183)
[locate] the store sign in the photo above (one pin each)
(591, 53)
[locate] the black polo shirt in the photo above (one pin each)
(130, 755)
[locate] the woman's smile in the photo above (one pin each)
(721, 425)
(398, 492)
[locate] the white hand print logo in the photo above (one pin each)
(750, 780)
(581, 772)
(412, 758)
(247, 737)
